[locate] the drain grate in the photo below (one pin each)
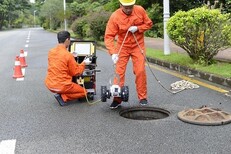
(205, 116)
(144, 113)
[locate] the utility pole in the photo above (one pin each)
(34, 17)
(65, 20)
(166, 38)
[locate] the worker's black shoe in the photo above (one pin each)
(114, 105)
(60, 100)
(143, 102)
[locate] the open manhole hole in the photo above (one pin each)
(144, 113)
(205, 116)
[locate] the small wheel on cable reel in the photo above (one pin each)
(90, 96)
(124, 93)
(103, 93)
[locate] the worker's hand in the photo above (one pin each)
(114, 58)
(74, 54)
(87, 61)
(133, 29)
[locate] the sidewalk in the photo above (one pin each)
(158, 43)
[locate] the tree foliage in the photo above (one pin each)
(10, 10)
(79, 27)
(97, 24)
(53, 13)
(91, 26)
(155, 14)
(201, 32)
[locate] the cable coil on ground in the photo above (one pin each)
(183, 84)
(177, 86)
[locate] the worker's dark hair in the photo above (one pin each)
(62, 36)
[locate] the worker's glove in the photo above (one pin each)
(87, 61)
(114, 58)
(74, 54)
(133, 29)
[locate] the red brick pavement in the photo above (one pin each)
(158, 43)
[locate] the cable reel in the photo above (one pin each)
(115, 90)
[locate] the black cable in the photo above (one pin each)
(146, 60)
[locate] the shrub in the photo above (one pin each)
(97, 24)
(78, 27)
(200, 32)
(46, 24)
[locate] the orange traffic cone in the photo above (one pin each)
(22, 59)
(17, 69)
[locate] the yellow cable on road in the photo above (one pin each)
(91, 103)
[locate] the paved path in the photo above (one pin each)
(158, 43)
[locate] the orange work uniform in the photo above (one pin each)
(118, 25)
(61, 68)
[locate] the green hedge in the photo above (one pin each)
(201, 32)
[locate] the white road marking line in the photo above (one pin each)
(25, 53)
(7, 146)
(26, 45)
(20, 79)
(23, 71)
(27, 41)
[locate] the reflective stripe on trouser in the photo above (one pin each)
(138, 61)
(74, 91)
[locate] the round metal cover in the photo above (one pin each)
(205, 116)
(144, 113)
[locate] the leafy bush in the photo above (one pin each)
(97, 24)
(78, 27)
(112, 5)
(200, 32)
(92, 26)
(46, 24)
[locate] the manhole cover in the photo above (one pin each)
(205, 116)
(144, 113)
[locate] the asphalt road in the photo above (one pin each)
(31, 121)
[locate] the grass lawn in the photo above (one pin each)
(220, 68)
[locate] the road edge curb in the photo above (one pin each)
(202, 75)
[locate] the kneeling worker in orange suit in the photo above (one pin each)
(61, 68)
(133, 19)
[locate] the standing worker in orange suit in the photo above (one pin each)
(133, 19)
(61, 68)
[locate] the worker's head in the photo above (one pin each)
(64, 37)
(127, 6)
